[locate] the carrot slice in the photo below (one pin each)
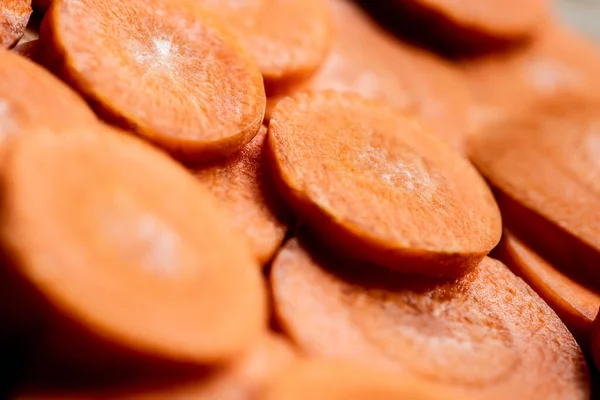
(244, 187)
(558, 62)
(28, 49)
(486, 334)
(240, 379)
(366, 60)
(325, 379)
(142, 261)
(576, 304)
(14, 15)
(372, 182)
(30, 97)
(160, 68)
(289, 39)
(544, 165)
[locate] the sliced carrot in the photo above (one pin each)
(128, 250)
(574, 302)
(243, 185)
(30, 97)
(327, 379)
(28, 49)
(14, 15)
(544, 166)
(486, 334)
(372, 182)
(558, 62)
(160, 68)
(366, 60)
(289, 39)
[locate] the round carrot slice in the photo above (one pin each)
(576, 304)
(289, 39)
(366, 60)
(31, 97)
(159, 68)
(242, 378)
(14, 15)
(143, 260)
(244, 187)
(544, 165)
(486, 334)
(324, 379)
(372, 182)
(557, 63)
(28, 49)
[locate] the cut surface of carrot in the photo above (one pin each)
(576, 304)
(372, 182)
(14, 15)
(364, 59)
(162, 69)
(486, 334)
(289, 39)
(325, 379)
(244, 187)
(143, 259)
(544, 166)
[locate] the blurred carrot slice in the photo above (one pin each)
(28, 49)
(161, 69)
(372, 182)
(14, 15)
(123, 243)
(243, 184)
(486, 334)
(366, 60)
(289, 39)
(576, 304)
(558, 62)
(544, 166)
(325, 379)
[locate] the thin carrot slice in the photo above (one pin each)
(28, 49)
(31, 97)
(14, 15)
(576, 304)
(289, 39)
(239, 379)
(373, 183)
(486, 334)
(160, 68)
(558, 62)
(326, 379)
(366, 60)
(544, 166)
(243, 185)
(143, 260)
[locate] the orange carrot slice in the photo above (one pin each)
(486, 334)
(160, 68)
(14, 15)
(373, 183)
(576, 304)
(243, 185)
(143, 260)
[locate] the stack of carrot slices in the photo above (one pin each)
(282, 199)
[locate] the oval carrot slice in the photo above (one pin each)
(325, 379)
(574, 302)
(243, 184)
(289, 39)
(241, 378)
(30, 97)
(486, 334)
(558, 62)
(144, 261)
(28, 49)
(366, 60)
(14, 15)
(544, 165)
(161, 69)
(372, 182)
